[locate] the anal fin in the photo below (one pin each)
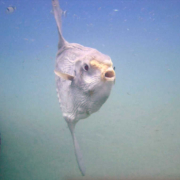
(77, 150)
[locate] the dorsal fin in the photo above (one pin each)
(57, 15)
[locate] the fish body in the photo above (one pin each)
(81, 96)
(84, 78)
(10, 9)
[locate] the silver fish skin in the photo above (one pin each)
(10, 9)
(84, 79)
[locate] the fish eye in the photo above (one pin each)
(86, 67)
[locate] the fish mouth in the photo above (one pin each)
(107, 72)
(109, 75)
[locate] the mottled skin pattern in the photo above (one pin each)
(84, 78)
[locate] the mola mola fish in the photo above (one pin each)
(84, 79)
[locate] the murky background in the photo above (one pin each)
(137, 131)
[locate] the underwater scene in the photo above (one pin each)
(132, 131)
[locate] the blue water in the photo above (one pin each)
(135, 134)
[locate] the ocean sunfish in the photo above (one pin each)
(84, 78)
(10, 9)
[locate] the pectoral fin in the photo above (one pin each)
(64, 75)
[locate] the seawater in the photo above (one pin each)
(135, 134)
